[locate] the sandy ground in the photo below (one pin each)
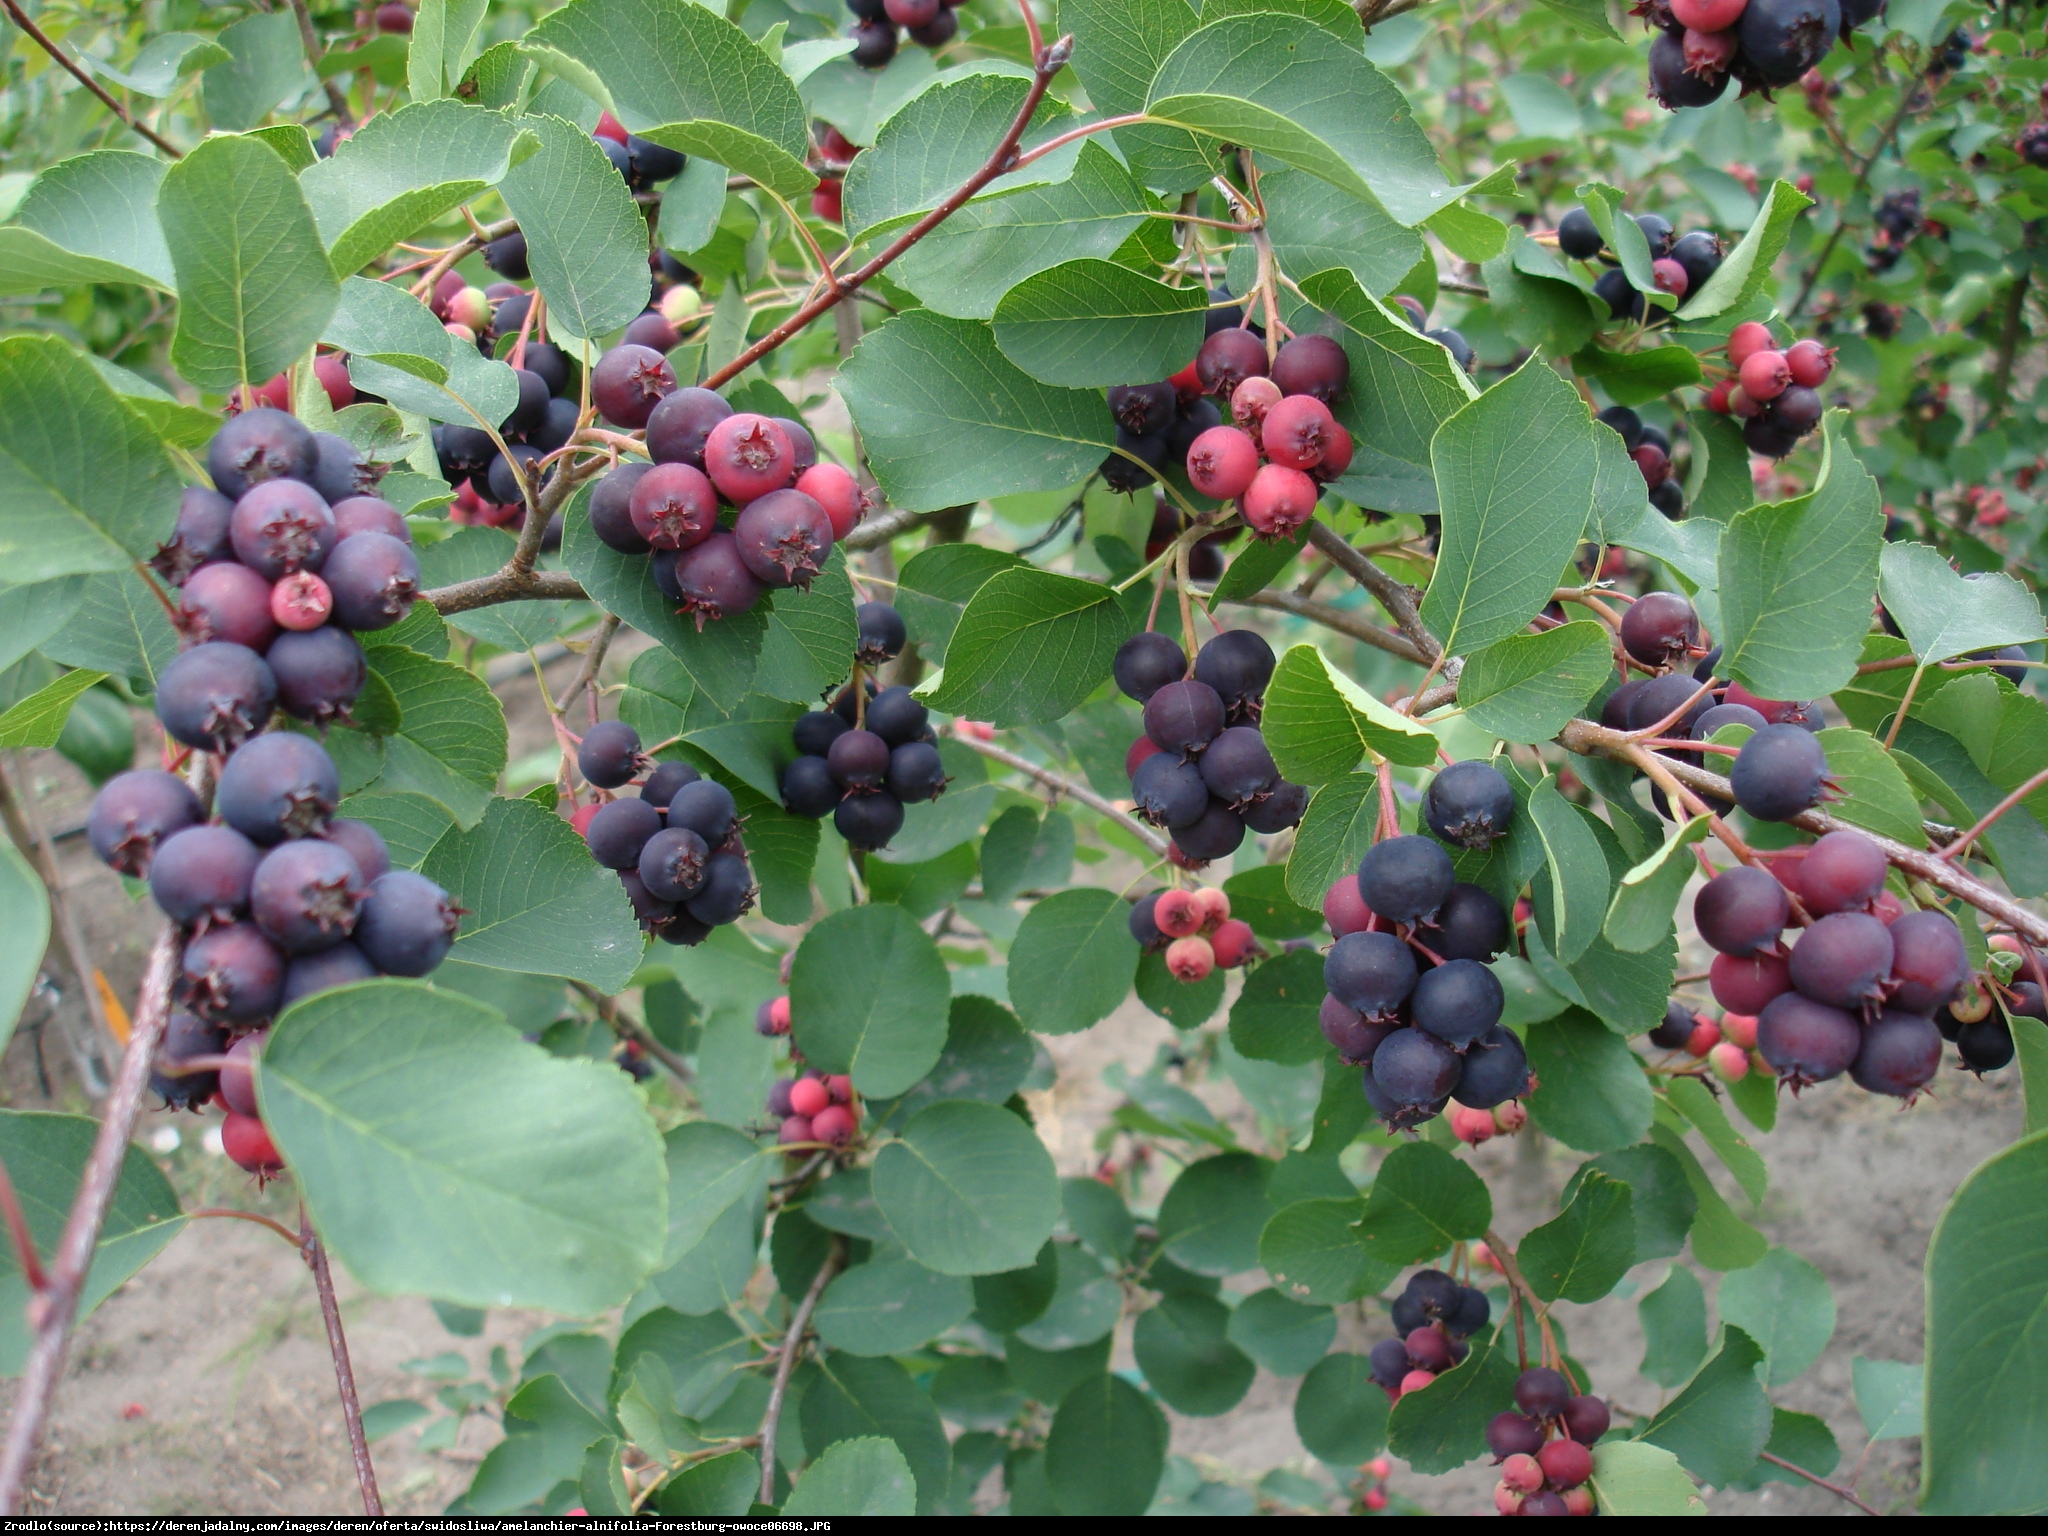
(204, 1385)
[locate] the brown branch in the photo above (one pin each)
(57, 1308)
(72, 68)
(337, 98)
(792, 1345)
(344, 1373)
(628, 1028)
(1061, 784)
(1048, 64)
(1834, 238)
(1396, 597)
(884, 526)
(1331, 617)
(1819, 1482)
(593, 658)
(25, 825)
(2009, 331)
(505, 586)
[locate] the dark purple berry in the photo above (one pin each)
(1613, 289)
(374, 579)
(1457, 1001)
(1470, 925)
(1311, 365)
(1663, 697)
(1542, 1393)
(1725, 714)
(611, 517)
(306, 894)
(1373, 973)
(257, 446)
(661, 784)
(319, 673)
(1806, 1042)
(1763, 435)
(707, 808)
(407, 922)
(1985, 1045)
(337, 967)
(502, 479)
(1675, 1028)
(683, 929)
(609, 755)
(1238, 664)
(859, 760)
(784, 538)
(200, 537)
(1579, 238)
(815, 732)
(1412, 1067)
(1143, 408)
(201, 875)
(1227, 359)
(1899, 1056)
(874, 44)
(1783, 39)
(1184, 717)
(506, 256)
(465, 452)
(1282, 809)
(1779, 773)
(282, 526)
(1168, 792)
(628, 382)
(1617, 706)
(649, 911)
(1496, 1069)
(227, 601)
(232, 974)
(1215, 834)
(1928, 961)
(134, 812)
(1346, 1029)
(1147, 662)
(1144, 927)
(1843, 960)
(1672, 85)
(1470, 804)
(1474, 1312)
(916, 771)
(369, 514)
(619, 831)
(868, 821)
(278, 786)
(1398, 1116)
(1741, 910)
(802, 446)
(1237, 767)
(187, 1036)
(1388, 1363)
(1405, 879)
(339, 472)
(673, 864)
(1656, 233)
(808, 788)
(1513, 1434)
(1797, 411)
(1586, 1419)
(1659, 627)
(714, 580)
(882, 634)
(897, 716)
(215, 696)
(1843, 871)
(727, 893)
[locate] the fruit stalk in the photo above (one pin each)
(792, 1346)
(337, 98)
(344, 1373)
(1060, 784)
(42, 41)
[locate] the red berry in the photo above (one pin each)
(1506, 1500)
(673, 507)
(1708, 15)
(1740, 1028)
(1279, 501)
(1705, 1036)
(835, 1124)
(1190, 959)
(1222, 462)
(1717, 397)
(1810, 362)
(1654, 463)
(840, 1087)
(332, 373)
(248, 1145)
(1178, 914)
(1293, 432)
(1579, 1501)
(778, 1014)
(1214, 903)
(1669, 276)
(1749, 337)
(1745, 983)
(1765, 375)
(1565, 1463)
(1344, 909)
(794, 1129)
(1336, 454)
(1415, 1381)
(1522, 1473)
(1232, 942)
(838, 493)
(828, 200)
(809, 1096)
(1472, 1126)
(1375, 1499)
(609, 127)
(747, 456)
(1250, 401)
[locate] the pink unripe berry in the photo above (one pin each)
(1750, 337)
(1507, 1500)
(1717, 397)
(1344, 909)
(470, 307)
(609, 127)
(1471, 1126)
(1177, 914)
(1190, 959)
(1250, 401)
(1279, 501)
(1810, 362)
(1233, 942)
(1222, 461)
(1669, 276)
(1739, 1027)
(808, 1096)
(1705, 1036)
(1375, 1499)
(1510, 1118)
(1415, 1381)
(835, 1124)
(1765, 375)
(840, 1086)
(838, 493)
(1578, 1501)
(795, 1128)
(1565, 1463)
(1523, 1473)
(460, 332)
(1729, 1061)
(1215, 905)
(1483, 1257)
(1708, 15)
(1380, 1468)
(301, 601)
(1294, 431)
(747, 456)
(778, 1013)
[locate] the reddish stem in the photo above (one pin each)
(1992, 816)
(24, 1240)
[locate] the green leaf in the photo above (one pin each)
(1255, 567)
(547, 1431)
(1583, 1253)
(1403, 387)
(724, 1486)
(1516, 480)
(452, 731)
(1319, 724)
(1284, 86)
(1716, 1426)
(1797, 576)
(1874, 790)
(45, 1156)
(1422, 1200)
(1030, 646)
(1890, 1396)
(1588, 18)
(1663, 1203)
(1259, 896)
(1592, 1096)
(1692, 1099)
(38, 720)
(987, 1056)
(853, 1398)
(1783, 1303)
(864, 1476)
(1083, 1308)
(1213, 1214)
(28, 936)
(88, 219)
(403, 170)
(711, 1168)
(1945, 615)
(1072, 960)
(1646, 898)
(586, 241)
(443, 39)
(1118, 48)
(1633, 378)
(1626, 240)
(1443, 1426)
(1629, 1477)
(1745, 271)
(935, 586)
(1182, 1347)
(1534, 299)
(265, 64)
(870, 996)
(1315, 226)
(1275, 1017)
(1525, 687)
(1089, 323)
(408, 1117)
(474, 552)
(1572, 904)
(1674, 1321)
(1340, 1412)
(1283, 1336)
(1105, 1450)
(86, 484)
(119, 628)
(1721, 1240)
(810, 635)
(1335, 831)
(945, 418)
(162, 61)
(888, 1306)
(254, 285)
(969, 1188)
(1986, 1290)
(1017, 1298)
(1312, 1251)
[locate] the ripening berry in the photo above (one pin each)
(1508, 1434)
(1740, 1028)
(1295, 430)
(1178, 914)
(1746, 983)
(1522, 1472)
(1214, 903)
(795, 1129)
(1765, 375)
(1233, 942)
(1415, 1381)
(1659, 627)
(1344, 909)
(1541, 1392)
(1227, 359)
(1578, 1501)
(1807, 1042)
(1190, 959)
(809, 1095)
(1222, 462)
(1746, 340)
(1669, 276)
(1250, 401)
(1472, 1126)
(1510, 1117)
(1565, 1463)
(248, 1146)
(1843, 871)
(834, 1123)
(1506, 1500)
(1729, 1061)
(1706, 1034)
(838, 493)
(1843, 960)
(1279, 501)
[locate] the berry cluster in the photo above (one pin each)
(835, 152)
(1282, 444)
(1543, 1449)
(874, 750)
(279, 900)
(1727, 1045)
(1679, 264)
(707, 455)
(276, 567)
(1773, 391)
(1857, 989)
(813, 1108)
(1201, 770)
(1410, 997)
(676, 847)
(1765, 44)
(1898, 219)
(1195, 929)
(1651, 450)
(929, 23)
(1434, 1315)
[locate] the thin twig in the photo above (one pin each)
(344, 1373)
(337, 98)
(1992, 815)
(1066, 786)
(792, 1345)
(632, 1029)
(229, 1213)
(1834, 238)
(72, 68)
(593, 658)
(24, 1240)
(1397, 598)
(1819, 1482)
(1331, 617)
